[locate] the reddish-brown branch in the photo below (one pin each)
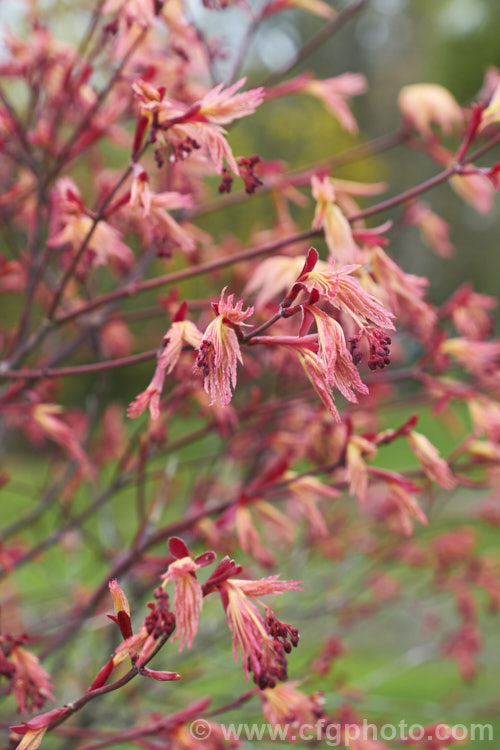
(93, 694)
(407, 195)
(124, 563)
(260, 329)
(236, 703)
(131, 290)
(20, 133)
(189, 273)
(78, 255)
(38, 261)
(302, 177)
(316, 41)
(120, 482)
(484, 148)
(60, 372)
(87, 119)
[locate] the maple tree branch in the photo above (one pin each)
(59, 372)
(316, 41)
(302, 176)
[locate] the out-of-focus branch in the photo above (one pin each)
(20, 133)
(65, 152)
(61, 372)
(301, 177)
(316, 41)
(135, 670)
(186, 273)
(130, 290)
(78, 255)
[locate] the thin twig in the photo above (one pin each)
(61, 372)
(316, 41)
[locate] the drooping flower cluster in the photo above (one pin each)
(188, 599)
(181, 332)
(330, 363)
(285, 703)
(424, 104)
(219, 352)
(156, 208)
(28, 681)
(263, 641)
(199, 126)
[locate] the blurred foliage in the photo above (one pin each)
(388, 665)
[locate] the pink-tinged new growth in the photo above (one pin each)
(122, 198)
(318, 375)
(479, 357)
(485, 415)
(480, 450)
(49, 418)
(335, 93)
(138, 648)
(476, 189)
(285, 704)
(469, 312)
(249, 538)
(154, 207)
(32, 738)
(181, 332)
(406, 505)
(322, 377)
(122, 609)
(133, 11)
(426, 104)
(219, 351)
(403, 293)
(188, 128)
(160, 675)
(278, 525)
(188, 597)
(263, 641)
(306, 494)
(434, 229)
(102, 676)
(274, 276)
(341, 370)
(329, 217)
(119, 599)
(428, 456)
(352, 299)
(34, 729)
(359, 450)
(29, 682)
(160, 622)
(222, 106)
(41, 721)
(491, 114)
(317, 7)
(150, 398)
(106, 242)
(343, 291)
